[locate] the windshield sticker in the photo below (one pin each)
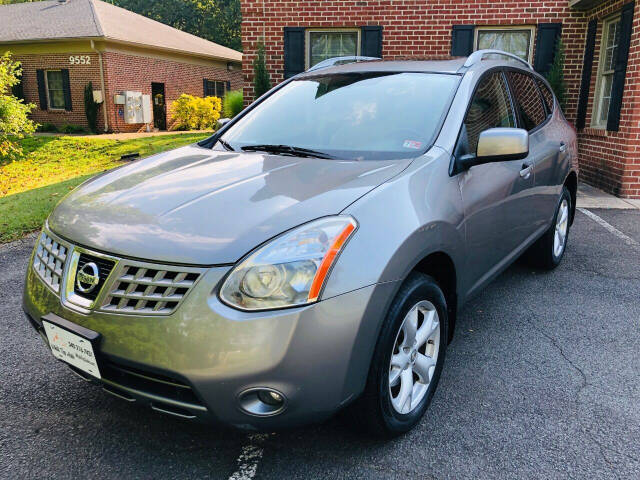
(412, 144)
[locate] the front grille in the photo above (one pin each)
(104, 268)
(49, 261)
(149, 290)
(145, 382)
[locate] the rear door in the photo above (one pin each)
(495, 195)
(534, 117)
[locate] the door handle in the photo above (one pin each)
(563, 147)
(526, 170)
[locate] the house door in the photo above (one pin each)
(159, 106)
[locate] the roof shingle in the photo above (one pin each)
(54, 20)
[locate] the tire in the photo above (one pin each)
(374, 411)
(545, 254)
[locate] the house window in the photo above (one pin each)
(516, 40)
(55, 90)
(324, 44)
(214, 88)
(606, 65)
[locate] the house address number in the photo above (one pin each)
(80, 60)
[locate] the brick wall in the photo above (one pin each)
(79, 76)
(420, 29)
(128, 72)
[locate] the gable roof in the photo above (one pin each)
(74, 19)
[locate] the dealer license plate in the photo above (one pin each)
(71, 348)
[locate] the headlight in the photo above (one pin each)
(289, 270)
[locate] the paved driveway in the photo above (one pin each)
(541, 381)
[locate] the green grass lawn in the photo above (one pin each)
(52, 166)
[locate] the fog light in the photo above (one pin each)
(262, 402)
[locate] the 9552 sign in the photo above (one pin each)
(79, 60)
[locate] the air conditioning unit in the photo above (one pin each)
(137, 107)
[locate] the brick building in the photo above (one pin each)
(601, 39)
(64, 45)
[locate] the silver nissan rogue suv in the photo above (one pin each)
(312, 254)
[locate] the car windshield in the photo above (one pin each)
(365, 116)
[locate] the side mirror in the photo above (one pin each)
(223, 121)
(497, 145)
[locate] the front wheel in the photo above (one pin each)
(407, 361)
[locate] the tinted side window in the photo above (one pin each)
(547, 96)
(489, 108)
(527, 99)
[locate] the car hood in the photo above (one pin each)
(197, 206)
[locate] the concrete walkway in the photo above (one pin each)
(591, 197)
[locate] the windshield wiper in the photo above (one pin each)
(287, 150)
(226, 145)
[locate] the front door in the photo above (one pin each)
(495, 195)
(159, 106)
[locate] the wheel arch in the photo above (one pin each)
(441, 267)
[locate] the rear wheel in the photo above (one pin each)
(407, 361)
(549, 249)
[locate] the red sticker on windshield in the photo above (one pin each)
(412, 144)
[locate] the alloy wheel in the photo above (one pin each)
(562, 224)
(414, 357)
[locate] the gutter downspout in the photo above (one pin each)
(104, 93)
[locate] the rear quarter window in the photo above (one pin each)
(547, 96)
(528, 100)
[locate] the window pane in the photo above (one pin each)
(55, 89)
(527, 99)
(326, 45)
(511, 41)
(54, 80)
(490, 108)
(607, 84)
(367, 116)
(611, 47)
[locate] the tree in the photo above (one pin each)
(555, 77)
(91, 108)
(261, 79)
(14, 122)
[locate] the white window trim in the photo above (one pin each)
(598, 97)
(507, 28)
(46, 87)
(307, 40)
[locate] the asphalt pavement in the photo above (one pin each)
(542, 380)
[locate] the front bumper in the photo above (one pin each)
(196, 362)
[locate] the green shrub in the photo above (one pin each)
(233, 103)
(47, 127)
(196, 113)
(14, 122)
(555, 77)
(69, 128)
(91, 108)
(261, 79)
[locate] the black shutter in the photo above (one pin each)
(66, 87)
(585, 83)
(228, 86)
(42, 89)
(620, 70)
(204, 87)
(371, 42)
(18, 89)
(293, 51)
(546, 41)
(462, 40)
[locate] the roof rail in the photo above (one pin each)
(330, 62)
(479, 55)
